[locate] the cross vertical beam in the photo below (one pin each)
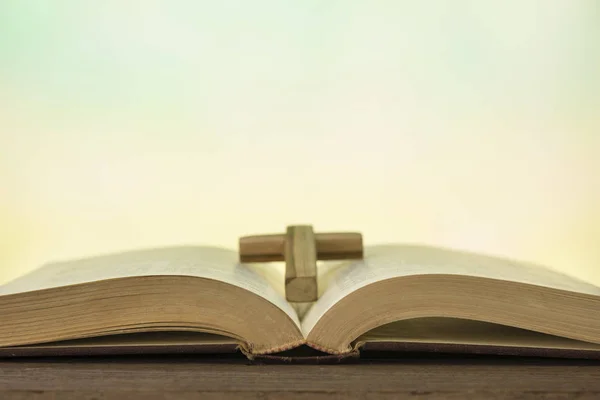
(301, 264)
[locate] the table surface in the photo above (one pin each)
(186, 377)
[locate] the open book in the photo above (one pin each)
(201, 299)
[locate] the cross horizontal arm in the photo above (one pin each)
(329, 246)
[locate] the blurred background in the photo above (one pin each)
(131, 124)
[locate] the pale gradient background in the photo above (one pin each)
(471, 124)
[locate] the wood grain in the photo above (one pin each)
(301, 264)
(189, 377)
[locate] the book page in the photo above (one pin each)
(391, 261)
(203, 262)
(468, 332)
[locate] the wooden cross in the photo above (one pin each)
(300, 248)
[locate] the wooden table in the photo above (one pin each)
(187, 377)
